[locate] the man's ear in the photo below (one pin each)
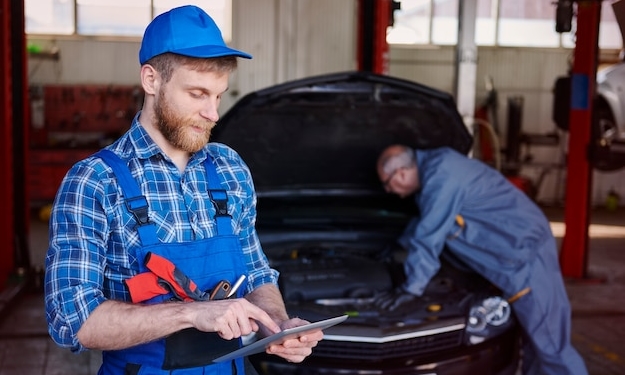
(150, 79)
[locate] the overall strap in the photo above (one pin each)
(219, 198)
(136, 203)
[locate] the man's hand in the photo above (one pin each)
(394, 299)
(268, 298)
(231, 318)
(296, 349)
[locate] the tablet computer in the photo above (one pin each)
(276, 338)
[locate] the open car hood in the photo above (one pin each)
(326, 131)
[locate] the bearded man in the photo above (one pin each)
(162, 197)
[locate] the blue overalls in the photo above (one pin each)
(206, 262)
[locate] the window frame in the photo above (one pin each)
(224, 20)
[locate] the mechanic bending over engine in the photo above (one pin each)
(164, 216)
(495, 229)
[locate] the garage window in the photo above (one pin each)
(514, 23)
(111, 17)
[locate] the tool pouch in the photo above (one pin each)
(193, 348)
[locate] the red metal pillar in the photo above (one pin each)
(7, 231)
(21, 136)
(375, 16)
(573, 256)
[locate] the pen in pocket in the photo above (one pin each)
(236, 286)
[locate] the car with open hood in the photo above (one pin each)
(326, 223)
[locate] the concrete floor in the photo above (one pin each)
(598, 309)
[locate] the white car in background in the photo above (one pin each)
(608, 152)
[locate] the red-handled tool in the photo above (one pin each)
(164, 277)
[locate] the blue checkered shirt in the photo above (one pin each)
(91, 247)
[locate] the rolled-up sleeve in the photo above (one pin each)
(74, 262)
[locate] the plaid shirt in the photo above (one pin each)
(92, 235)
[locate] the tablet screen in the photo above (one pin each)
(260, 345)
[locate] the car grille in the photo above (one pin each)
(394, 349)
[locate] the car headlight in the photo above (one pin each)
(487, 319)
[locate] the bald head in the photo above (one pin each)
(397, 169)
(395, 157)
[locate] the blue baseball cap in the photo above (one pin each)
(187, 31)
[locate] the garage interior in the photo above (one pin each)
(64, 96)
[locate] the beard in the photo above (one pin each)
(181, 132)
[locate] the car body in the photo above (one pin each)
(609, 119)
(608, 136)
(328, 226)
(607, 144)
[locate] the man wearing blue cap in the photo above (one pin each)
(162, 191)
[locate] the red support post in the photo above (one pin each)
(573, 255)
(7, 230)
(374, 19)
(382, 17)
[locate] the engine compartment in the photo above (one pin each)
(321, 275)
(321, 280)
